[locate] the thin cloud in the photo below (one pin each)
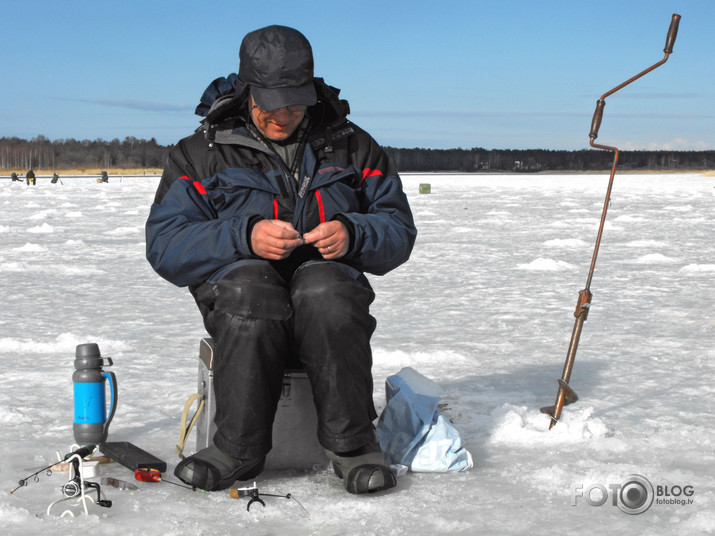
(680, 95)
(676, 144)
(131, 104)
(144, 106)
(666, 96)
(462, 113)
(519, 114)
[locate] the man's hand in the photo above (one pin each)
(274, 239)
(331, 238)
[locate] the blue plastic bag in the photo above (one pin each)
(413, 432)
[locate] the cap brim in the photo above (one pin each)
(278, 97)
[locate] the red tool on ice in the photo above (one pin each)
(154, 475)
(147, 475)
(566, 394)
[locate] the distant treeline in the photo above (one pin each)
(41, 153)
(533, 160)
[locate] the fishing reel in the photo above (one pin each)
(77, 487)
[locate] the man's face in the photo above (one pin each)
(277, 124)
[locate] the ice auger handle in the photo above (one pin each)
(672, 33)
(596, 121)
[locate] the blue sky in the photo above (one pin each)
(442, 74)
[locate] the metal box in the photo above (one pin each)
(295, 441)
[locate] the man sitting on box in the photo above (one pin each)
(271, 213)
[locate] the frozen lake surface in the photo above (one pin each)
(484, 307)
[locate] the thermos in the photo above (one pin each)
(90, 407)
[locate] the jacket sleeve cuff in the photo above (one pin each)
(350, 229)
(252, 221)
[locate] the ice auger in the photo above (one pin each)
(566, 394)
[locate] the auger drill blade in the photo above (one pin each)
(570, 397)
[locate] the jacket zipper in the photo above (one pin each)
(287, 192)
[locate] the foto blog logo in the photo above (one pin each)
(634, 495)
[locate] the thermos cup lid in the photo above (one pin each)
(87, 356)
(90, 349)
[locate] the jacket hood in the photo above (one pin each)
(227, 98)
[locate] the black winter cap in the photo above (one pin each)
(276, 62)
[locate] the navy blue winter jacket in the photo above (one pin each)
(218, 182)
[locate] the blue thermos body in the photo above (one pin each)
(91, 424)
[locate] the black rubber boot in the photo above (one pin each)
(363, 470)
(212, 469)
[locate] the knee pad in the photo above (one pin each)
(254, 291)
(318, 279)
(325, 292)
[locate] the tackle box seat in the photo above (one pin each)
(295, 441)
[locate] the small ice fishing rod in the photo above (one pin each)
(252, 491)
(566, 394)
(81, 452)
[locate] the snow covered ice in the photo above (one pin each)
(484, 307)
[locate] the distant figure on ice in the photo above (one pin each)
(30, 176)
(55, 178)
(14, 177)
(105, 177)
(271, 214)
